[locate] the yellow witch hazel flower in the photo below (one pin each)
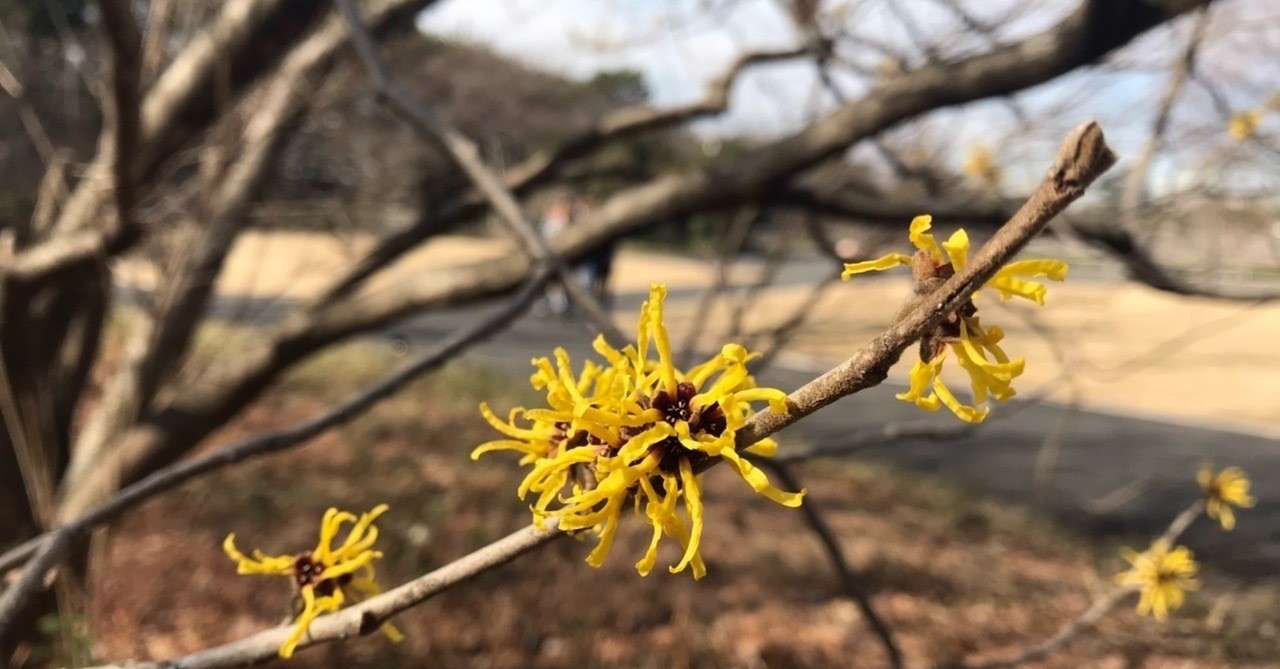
(980, 165)
(1227, 488)
(976, 347)
(325, 575)
(1163, 576)
(634, 431)
(1244, 124)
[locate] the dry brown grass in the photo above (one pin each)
(954, 574)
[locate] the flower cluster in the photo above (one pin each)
(1227, 488)
(324, 576)
(981, 166)
(636, 431)
(1244, 125)
(976, 347)
(1163, 574)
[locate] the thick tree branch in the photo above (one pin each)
(46, 551)
(246, 40)
(158, 348)
(544, 165)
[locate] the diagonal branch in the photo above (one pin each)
(1090, 616)
(849, 579)
(47, 551)
(1082, 158)
(1135, 184)
(160, 345)
(126, 63)
(541, 167)
(466, 155)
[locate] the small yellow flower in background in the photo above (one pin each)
(1227, 488)
(980, 165)
(1163, 576)
(324, 575)
(637, 430)
(1245, 124)
(976, 347)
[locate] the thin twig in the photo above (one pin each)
(367, 616)
(735, 236)
(543, 166)
(1100, 607)
(1083, 156)
(466, 155)
(1135, 184)
(849, 579)
(49, 549)
(880, 436)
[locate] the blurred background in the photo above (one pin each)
(291, 238)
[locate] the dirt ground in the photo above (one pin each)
(955, 575)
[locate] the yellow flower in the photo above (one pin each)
(634, 431)
(1243, 125)
(976, 347)
(1227, 488)
(1162, 575)
(980, 165)
(325, 575)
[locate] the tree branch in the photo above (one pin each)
(46, 551)
(849, 579)
(541, 167)
(1081, 159)
(1090, 617)
(367, 616)
(466, 155)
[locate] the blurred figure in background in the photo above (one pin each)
(558, 217)
(596, 267)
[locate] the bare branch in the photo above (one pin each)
(1135, 185)
(1100, 607)
(367, 616)
(46, 551)
(736, 231)
(126, 63)
(541, 167)
(157, 349)
(466, 155)
(849, 579)
(246, 40)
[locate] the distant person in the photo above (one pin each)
(557, 218)
(598, 266)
